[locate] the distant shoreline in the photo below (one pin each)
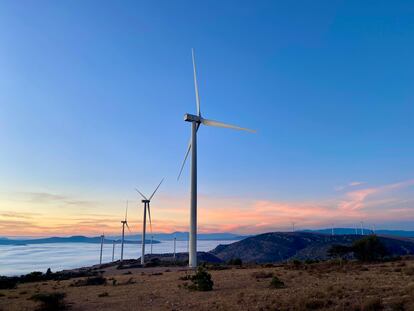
(73, 239)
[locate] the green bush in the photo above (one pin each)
(201, 280)
(339, 250)
(235, 262)
(276, 283)
(262, 274)
(369, 249)
(51, 301)
(372, 304)
(91, 281)
(8, 282)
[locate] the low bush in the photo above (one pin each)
(235, 262)
(8, 282)
(372, 304)
(276, 283)
(262, 274)
(91, 281)
(104, 294)
(201, 281)
(51, 301)
(409, 270)
(369, 249)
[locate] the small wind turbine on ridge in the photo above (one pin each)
(196, 121)
(146, 202)
(124, 223)
(102, 242)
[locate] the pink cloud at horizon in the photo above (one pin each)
(373, 204)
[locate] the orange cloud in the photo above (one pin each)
(66, 215)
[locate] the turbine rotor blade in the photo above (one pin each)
(128, 227)
(225, 125)
(126, 212)
(186, 154)
(185, 159)
(149, 216)
(196, 84)
(156, 189)
(141, 194)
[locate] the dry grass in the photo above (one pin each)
(319, 286)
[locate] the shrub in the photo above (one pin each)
(339, 250)
(201, 280)
(409, 270)
(314, 304)
(97, 280)
(369, 249)
(262, 274)
(50, 301)
(235, 262)
(34, 276)
(7, 283)
(372, 304)
(276, 283)
(104, 294)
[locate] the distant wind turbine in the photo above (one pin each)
(333, 233)
(362, 228)
(196, 121)
(102, 242)
(175, 240)
(144, 222)
(152, 238)
(113, 250)
(124, 223)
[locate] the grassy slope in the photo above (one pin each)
(324, 286)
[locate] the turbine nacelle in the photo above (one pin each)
(145, 201)
(192, 118)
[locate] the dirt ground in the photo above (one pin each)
(319, 286)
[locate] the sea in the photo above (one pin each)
(22, 259)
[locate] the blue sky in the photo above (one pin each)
(92, 97)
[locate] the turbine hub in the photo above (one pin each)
(145, 201)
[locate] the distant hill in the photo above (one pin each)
(400, 233)
(281, 246)
(183, 236)
(72, 239)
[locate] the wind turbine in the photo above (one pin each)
(102, 242)
(175, 240)
(113, 250)
(196, 121)
(144, 221)
(124, 223)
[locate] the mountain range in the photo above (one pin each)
(282, 246)
(183, 236)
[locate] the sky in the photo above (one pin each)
(93, 93)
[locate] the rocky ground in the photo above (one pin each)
(318, 286)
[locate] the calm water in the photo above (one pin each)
(16, 260)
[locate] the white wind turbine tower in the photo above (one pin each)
(124, 223)
(102, 242)
(196, 121)
(113, 250)
(144, 221)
